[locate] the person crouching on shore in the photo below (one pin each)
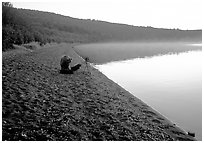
(64, 62)
(65, 65)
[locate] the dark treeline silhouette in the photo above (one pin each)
(21, 26)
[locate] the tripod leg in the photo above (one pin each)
(87, 68)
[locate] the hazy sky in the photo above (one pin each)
(182, 14)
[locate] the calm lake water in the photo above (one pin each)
(171, 84)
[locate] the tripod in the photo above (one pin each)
(86, 62)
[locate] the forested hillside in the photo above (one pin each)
(21, 26)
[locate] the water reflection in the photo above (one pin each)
(171, 84)
(195, 44)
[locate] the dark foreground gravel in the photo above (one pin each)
(40, 104)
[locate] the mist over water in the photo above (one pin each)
(101, 53)
(170, 83)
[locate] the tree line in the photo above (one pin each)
(20, 26)
(15, 29)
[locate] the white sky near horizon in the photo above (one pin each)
(182, 14)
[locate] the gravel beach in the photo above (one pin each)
(39, 103)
